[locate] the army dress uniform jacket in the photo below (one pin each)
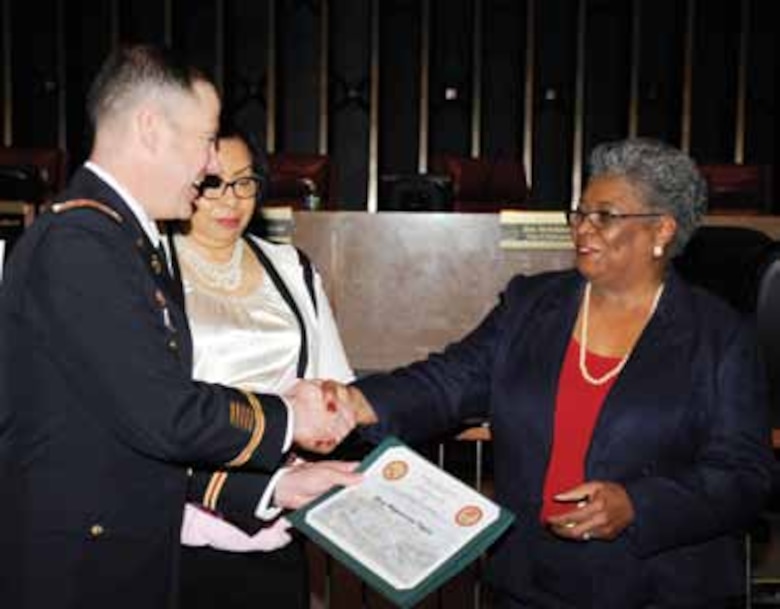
(99, 416)
(684, 429)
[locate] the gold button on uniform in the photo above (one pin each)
(173, 345)
(96, 530)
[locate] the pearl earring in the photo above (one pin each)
(658, 251)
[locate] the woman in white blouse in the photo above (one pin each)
(259, 319)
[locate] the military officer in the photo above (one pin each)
(100, 418)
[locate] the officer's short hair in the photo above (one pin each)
(134, 71)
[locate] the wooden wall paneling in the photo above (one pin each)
(451, 77)
(298, 41)
(88, 40)
(503, 86)
(246, 63)
(145, 20)
(607, 72)
(399, 112)
(556, 40)
(350, 90)
(660, 73)
(401, 286)
(714, 94)
(35, 94)
(193, 30)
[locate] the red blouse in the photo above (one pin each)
(577, 407)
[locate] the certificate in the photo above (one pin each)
(408, 527)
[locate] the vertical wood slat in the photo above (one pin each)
(8, 109)
(324, 69)
(373, 135)
(114, 24)
(62, 78)
(687, 92)
(425, 85)
(530, 91)
(270, 81)
(579, 103)
(219, 44)
(636, 45)
(744, 42)
(168, 22)
(476, 83)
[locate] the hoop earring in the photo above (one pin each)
(658, 251)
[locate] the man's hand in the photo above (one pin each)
(350, 398)
(319, 424)
(304, 482)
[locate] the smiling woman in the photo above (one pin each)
(259, 318)
(627, 408)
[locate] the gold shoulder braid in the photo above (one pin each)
(59, 208)
(257, 431)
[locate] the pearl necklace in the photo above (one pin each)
(584, 340)
(222, 276)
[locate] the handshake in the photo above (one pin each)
(325, 412)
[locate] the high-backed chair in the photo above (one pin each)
(735, 188)
(29, 177)
(300, 181)
(724, 260)
(47, 165)
(743, 266)
(483, 185)
(763, 560)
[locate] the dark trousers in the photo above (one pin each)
(211, 579)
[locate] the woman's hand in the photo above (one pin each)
(602, 510)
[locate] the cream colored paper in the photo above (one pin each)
(405, 519)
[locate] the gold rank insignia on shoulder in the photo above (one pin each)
(59, 208)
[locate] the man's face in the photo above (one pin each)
(188, 152)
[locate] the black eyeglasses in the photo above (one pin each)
(246, 187)
(602, 219)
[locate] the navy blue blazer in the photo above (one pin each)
(684, 429)
(100, 415)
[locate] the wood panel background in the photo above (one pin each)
(405, 284)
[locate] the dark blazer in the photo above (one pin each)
(100, 415)
(684, 428)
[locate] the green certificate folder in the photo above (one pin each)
(407, 528)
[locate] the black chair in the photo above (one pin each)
(415, 192)
(742, 266)
(725, 260)
(763, 541)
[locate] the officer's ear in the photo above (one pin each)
(150, 126)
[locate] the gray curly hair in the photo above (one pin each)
(667, 178)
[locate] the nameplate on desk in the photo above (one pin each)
(534, 230)
(278, 224)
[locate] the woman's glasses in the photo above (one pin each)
(246, 187)
(602, 219)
